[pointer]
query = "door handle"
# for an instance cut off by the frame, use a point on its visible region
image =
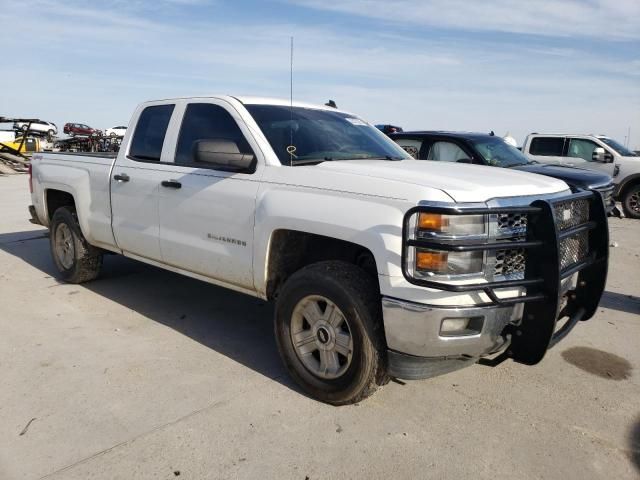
(121, 177)
(171, 184)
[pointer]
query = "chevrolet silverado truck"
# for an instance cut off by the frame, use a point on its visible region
(487, 149)
(594, 152)
(380, 266)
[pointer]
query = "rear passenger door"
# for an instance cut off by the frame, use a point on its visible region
(135, 182)
(548, 150)
(207, 213)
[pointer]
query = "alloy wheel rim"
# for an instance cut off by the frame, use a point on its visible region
(321, 337)
(65, 249)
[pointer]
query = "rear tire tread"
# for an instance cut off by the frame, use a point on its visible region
(88, 259)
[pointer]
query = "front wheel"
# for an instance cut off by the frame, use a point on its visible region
(76, 260)
(329, 332)
(631, 201)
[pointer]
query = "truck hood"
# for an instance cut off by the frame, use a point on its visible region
(575, 177)
(462, 182)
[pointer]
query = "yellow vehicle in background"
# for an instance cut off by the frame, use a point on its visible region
(29, 145)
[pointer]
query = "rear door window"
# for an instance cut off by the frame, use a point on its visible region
(547, 146)
(151, 129)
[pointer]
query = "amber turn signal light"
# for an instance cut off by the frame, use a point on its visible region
(432, 221)
(431, 261)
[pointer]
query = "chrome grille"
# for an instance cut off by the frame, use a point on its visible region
(573, 249)
(510, 263)
(571, 213)
(512, 223)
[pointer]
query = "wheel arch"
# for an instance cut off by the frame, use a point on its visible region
(290, 250)
(626, 183)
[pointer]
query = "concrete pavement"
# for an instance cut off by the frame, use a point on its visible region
(147, 374)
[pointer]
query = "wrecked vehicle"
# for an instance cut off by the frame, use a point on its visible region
(380, 266)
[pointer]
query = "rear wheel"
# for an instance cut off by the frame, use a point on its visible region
(631, 201)
(329, 332)
(76, 260)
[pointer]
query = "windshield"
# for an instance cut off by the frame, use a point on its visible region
(304, 135)
(621, 149)
(498, 153)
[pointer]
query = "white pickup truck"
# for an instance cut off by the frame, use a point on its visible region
(380, 266)
(594, 152)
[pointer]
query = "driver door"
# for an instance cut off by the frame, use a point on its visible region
(580, 154)
(207, 213)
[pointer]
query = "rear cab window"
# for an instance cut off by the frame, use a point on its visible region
(547, 146)
(150, 132)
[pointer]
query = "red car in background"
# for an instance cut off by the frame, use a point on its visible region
(79, 129)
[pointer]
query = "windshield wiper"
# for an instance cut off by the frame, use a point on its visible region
(311, 161)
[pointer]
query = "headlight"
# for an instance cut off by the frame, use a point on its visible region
(435, 224)
(438, 262)
(426, 261)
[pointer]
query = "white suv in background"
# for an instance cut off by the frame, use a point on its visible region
(115, 131)
(42, 128)
(595, 152)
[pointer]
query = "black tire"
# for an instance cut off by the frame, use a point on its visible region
(86, 259)
(357, 296)
(631, 201)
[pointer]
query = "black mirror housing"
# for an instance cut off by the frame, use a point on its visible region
(223, 154)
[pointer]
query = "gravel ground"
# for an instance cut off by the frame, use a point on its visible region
(147, 374)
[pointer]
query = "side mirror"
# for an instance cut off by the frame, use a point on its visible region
(601, 155)
(222, 153)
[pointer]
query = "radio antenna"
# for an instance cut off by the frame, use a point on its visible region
(291, 148)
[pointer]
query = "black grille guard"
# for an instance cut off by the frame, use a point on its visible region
(543, 275)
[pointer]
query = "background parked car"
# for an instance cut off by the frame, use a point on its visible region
(115, 131)
(491, 150)
(387, 129)
(29, 145)
(78, 129)
(43, 128)
(594, 152)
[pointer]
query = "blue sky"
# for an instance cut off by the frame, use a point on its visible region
(502, 65)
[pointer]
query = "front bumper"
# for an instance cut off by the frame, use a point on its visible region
(415, 329)
(417, 349)
(556, 286)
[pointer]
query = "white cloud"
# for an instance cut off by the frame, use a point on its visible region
(94, 64)
(599, 18)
